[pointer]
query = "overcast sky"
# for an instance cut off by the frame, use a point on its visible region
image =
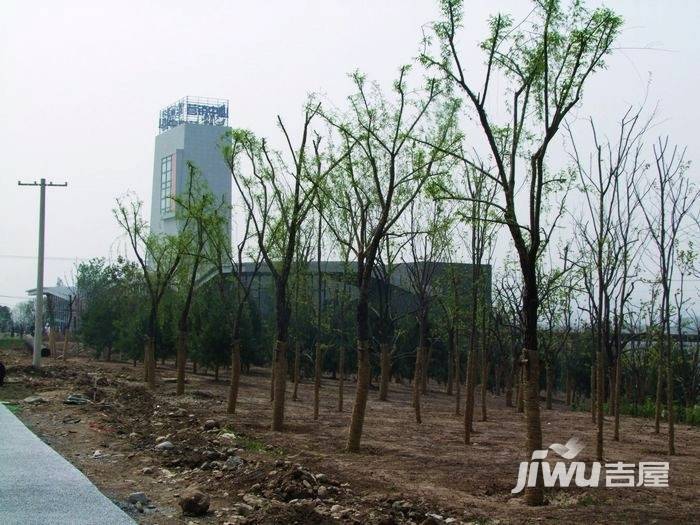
(81, 84)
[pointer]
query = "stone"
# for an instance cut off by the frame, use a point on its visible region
(165, 445)
(193, 501)
(322, 492)
(211, 424)
(232, 463)
(335, 509)
(138, 497)
(34, 400)
(244, 508)
(76, 399)
(147, 471)
(228, 436)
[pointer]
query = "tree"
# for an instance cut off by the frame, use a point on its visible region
(5, 319)
(278, 195)
(428, 240)
(158, 256)
(381, 176)
(195, 210)
(668, 199)
(607, 239)
(545, 62)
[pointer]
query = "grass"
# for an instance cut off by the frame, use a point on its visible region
(8, 343)
(12, 407)
(252, 444)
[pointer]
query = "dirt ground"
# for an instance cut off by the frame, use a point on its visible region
(406, 473)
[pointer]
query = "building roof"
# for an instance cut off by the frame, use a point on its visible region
(62, 292)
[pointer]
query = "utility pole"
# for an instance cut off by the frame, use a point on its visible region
(39, 308)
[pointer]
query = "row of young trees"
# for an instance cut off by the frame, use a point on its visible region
(428, 176)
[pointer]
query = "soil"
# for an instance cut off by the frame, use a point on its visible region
(406, 473)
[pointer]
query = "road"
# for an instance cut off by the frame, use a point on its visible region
(38, 486)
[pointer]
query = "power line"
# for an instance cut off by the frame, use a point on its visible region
(34, 257)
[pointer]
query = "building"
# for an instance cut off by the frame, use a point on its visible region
(62, 306)
(190, 130)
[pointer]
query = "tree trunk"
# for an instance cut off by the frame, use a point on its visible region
(418, 382)
(593, 392)
(280, 384)
(385, 364)
(450, 361)
(150, 362)
(520, 401)
(181, 358)
(65, 346)
(669, 403)
(600, 385)
(235, 376)
(531, 366)
(341, 376)
(616, 396)
(469, 398)
(549, 380)
(458, 382)
(358, 409)
(427, 350)
(484, 384)
(509, 387)
(659, 388)
(567, 382)
(297, 356)
(318, 369)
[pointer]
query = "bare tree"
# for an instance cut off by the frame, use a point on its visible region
(667, 201)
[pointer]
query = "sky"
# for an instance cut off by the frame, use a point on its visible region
(82, 82)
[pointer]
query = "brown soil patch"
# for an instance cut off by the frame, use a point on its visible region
(404, 472)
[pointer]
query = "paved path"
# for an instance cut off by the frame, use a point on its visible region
(38, 486)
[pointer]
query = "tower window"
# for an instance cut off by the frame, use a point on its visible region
(167, 184)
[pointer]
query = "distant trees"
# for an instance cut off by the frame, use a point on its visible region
(5, 319)
(112, 316)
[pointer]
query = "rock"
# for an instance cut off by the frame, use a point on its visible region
(228, 436)
(211, 424)
(244, 508)
(161, 438)
(147, 471)
(193, 501)
(165, 445)
(34, 400)
(139, 506)
(335, 509)
(137, 497)
(252, 500)
(232, 463)
(322, 492)
(76, 399)
(97, 454)
(431, 520)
